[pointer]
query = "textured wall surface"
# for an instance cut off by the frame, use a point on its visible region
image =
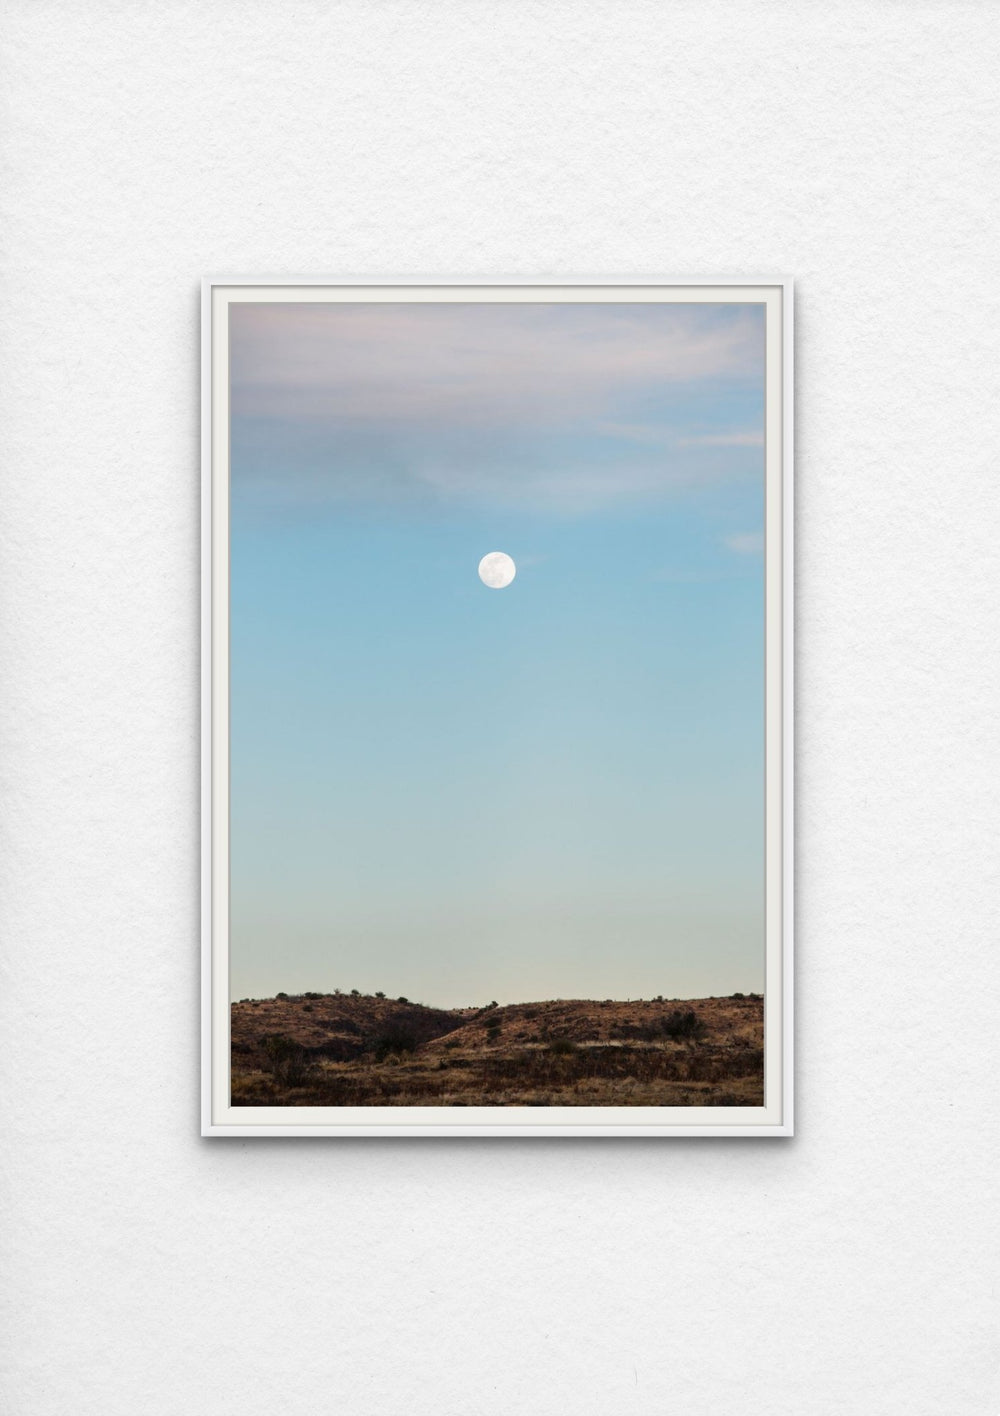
(852, 146)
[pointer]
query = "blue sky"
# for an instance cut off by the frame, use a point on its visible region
(457, 793)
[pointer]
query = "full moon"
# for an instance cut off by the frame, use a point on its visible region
(497, 570)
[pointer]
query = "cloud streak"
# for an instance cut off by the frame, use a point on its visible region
(751, 438)
(746, 543)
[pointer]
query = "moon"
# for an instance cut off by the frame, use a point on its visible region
(497, 570)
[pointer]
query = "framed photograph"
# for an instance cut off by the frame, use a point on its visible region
(497, 694)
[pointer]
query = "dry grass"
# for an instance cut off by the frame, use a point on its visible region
(361, 1051)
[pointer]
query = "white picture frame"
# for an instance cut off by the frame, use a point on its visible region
(775, 1118)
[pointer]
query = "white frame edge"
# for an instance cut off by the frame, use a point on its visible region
(747, 1129)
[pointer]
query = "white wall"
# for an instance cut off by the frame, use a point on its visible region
(852, 146)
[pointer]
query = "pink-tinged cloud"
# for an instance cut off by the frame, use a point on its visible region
(479, 364)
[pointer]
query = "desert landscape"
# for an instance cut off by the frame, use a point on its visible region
(355, 1049)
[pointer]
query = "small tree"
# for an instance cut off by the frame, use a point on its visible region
(395, 1040)
(683, 1026)
(287, 1059)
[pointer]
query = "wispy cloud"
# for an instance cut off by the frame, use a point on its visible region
(745, 543)
(555, 408)
(664, 435)
(751, 438)
(478, 363)
(574, 489)
(645, 434)
(506, 484)
(668, 576)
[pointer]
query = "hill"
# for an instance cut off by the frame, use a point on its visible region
(339, 1026)
(361, 1050)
